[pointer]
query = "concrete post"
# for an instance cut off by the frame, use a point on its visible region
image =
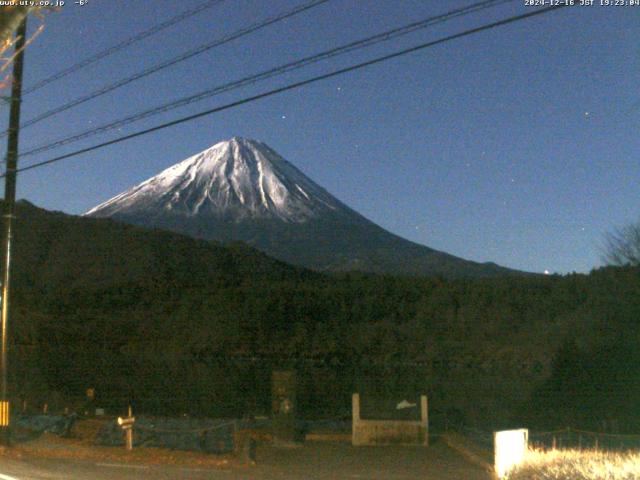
(129, 434)
(355, 407)
(355, 418)
(424, 417)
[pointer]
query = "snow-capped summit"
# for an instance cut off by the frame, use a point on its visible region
(234, 179)
(242, 190)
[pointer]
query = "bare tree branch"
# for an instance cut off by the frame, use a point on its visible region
(10, 18)
(622, 246)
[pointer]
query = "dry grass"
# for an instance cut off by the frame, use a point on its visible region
(577, 465)
(52, 446)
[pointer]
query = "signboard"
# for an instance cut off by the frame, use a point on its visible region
(126, 422)
(399, 408)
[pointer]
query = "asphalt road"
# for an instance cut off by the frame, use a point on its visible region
(63, 469)
(313, 461)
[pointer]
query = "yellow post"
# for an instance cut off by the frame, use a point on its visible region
(4, 413)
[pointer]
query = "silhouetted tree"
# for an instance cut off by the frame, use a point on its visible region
(622, 246)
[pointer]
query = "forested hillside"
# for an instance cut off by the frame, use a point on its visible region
(177, 325)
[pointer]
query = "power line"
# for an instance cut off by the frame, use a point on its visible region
(295, 85)
(119, 46)
(276, 71)
(173, 61)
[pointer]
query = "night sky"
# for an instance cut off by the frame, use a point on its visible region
(517, 145)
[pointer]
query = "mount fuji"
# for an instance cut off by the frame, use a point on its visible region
(242, 190)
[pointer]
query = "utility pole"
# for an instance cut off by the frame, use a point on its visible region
(9, 212)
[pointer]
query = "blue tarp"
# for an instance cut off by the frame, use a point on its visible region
(24, 425)
(204, 435)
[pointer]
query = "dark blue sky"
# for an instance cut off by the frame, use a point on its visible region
(517, 145)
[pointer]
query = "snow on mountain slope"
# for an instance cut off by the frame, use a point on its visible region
(242, 190)
(235, 179)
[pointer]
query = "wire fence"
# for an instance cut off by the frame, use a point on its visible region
(220, 435)
(177, 433)
(195, 434)
(481, 438)
(562, 439)
(571, 438)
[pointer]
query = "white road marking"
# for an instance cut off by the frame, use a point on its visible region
(120, 465)
(7, 477)
(189, 469)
